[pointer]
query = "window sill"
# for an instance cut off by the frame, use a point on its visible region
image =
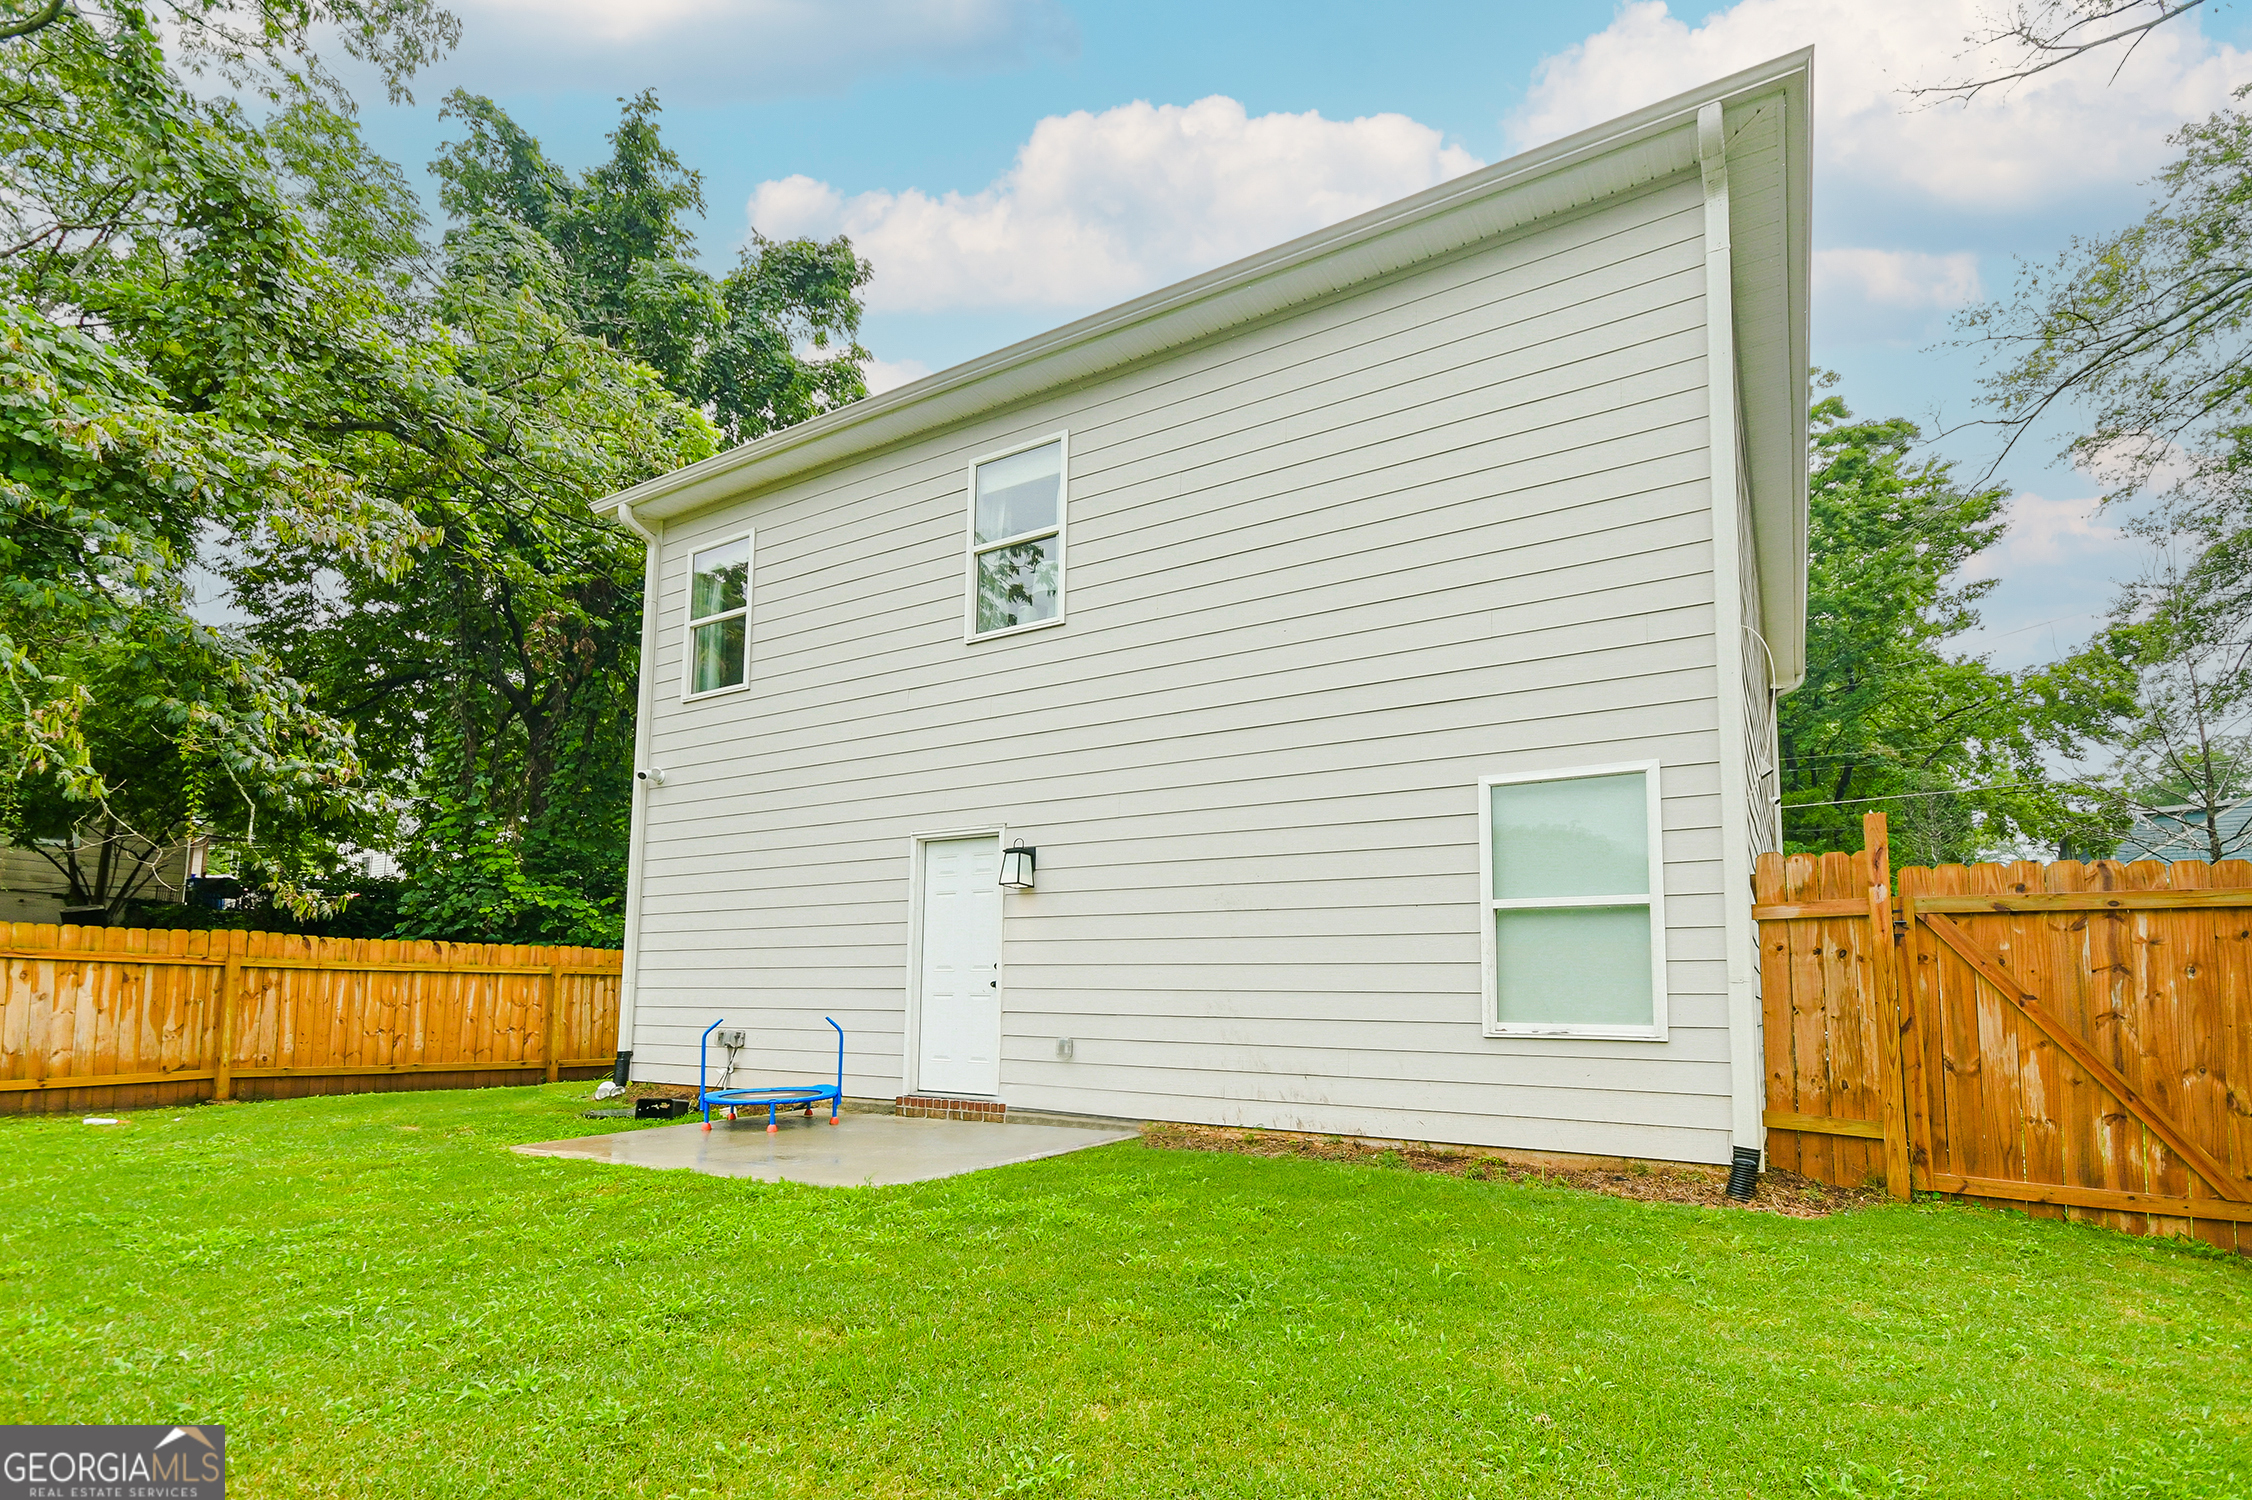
(996, 635)
(711, 693)
(1577, 1033)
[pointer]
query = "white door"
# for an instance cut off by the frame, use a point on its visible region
(961, 967)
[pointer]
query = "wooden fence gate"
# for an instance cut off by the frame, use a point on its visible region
(2071, 1039)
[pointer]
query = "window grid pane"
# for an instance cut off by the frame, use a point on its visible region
(1018, 495)
(1017, 584)
(722, 580)
(1573, 966)
(720, 654)
(1582, 836)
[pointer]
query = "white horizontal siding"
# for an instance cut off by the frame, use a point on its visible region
(1324, 573)
(33, 890)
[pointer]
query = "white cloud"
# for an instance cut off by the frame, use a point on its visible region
(748, 49)
(2059, 567)
(2045, 533)
(1907, 279)
(598, 23)
(2044, 139)
(1897, 296)
(886, 374)
(1099, 207)
(2170, 465)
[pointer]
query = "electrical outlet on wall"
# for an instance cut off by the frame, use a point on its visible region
(732, 1036)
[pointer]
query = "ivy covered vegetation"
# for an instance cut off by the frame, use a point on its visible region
(295, 551)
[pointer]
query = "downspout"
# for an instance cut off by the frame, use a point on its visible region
(1747, 1131)
(637, 838)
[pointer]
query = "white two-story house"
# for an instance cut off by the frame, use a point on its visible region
(1372, 646)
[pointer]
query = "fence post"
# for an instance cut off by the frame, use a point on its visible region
(230, 986)
(1884, 978)
(554, 1024)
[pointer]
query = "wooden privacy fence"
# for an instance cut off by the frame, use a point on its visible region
(94, 1018)
(2072, 1039)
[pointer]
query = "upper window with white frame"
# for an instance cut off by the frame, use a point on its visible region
(719, 617)
(1574, 904)
(1016, 539)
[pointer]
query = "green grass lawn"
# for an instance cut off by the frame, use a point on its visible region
(378, 1298)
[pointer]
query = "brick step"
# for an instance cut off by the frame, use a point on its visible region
(933, 1107)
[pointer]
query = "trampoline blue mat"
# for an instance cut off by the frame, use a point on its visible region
(787, 1094)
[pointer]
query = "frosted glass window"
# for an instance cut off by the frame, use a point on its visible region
(1585, 837)
(1575, 941)
(1583, 965)
(1016, 539)
(719, 617)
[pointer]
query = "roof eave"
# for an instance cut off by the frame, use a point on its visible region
(1202, 306)
(1783, 565)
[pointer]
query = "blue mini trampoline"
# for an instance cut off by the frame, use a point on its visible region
(778, 1097)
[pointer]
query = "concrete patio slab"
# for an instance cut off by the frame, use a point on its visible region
(860, 1151)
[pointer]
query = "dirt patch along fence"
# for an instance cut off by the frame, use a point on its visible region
(2070, 1039)
(121, 1018)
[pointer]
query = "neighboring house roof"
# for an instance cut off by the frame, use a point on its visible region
(2178, 832)
(1765, 112)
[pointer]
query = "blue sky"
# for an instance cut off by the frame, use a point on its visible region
(1012, 164)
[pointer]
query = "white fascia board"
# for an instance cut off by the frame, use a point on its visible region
(1646, 146)
(1772, 226)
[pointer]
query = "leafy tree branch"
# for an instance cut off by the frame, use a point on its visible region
(2034, 36)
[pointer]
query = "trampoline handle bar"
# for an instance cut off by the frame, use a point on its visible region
(703, 1045)
(839, 1030)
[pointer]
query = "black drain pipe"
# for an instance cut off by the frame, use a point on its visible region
(622, 1073)
(1743, 1174)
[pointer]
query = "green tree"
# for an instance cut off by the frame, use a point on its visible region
(226, 344)
(230, 345)
(771, 344)
(1954, 750)
(2184, 766)
(493, 683)
(133, 728)
(197, 738)
(2141, 341)
(144, 224)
